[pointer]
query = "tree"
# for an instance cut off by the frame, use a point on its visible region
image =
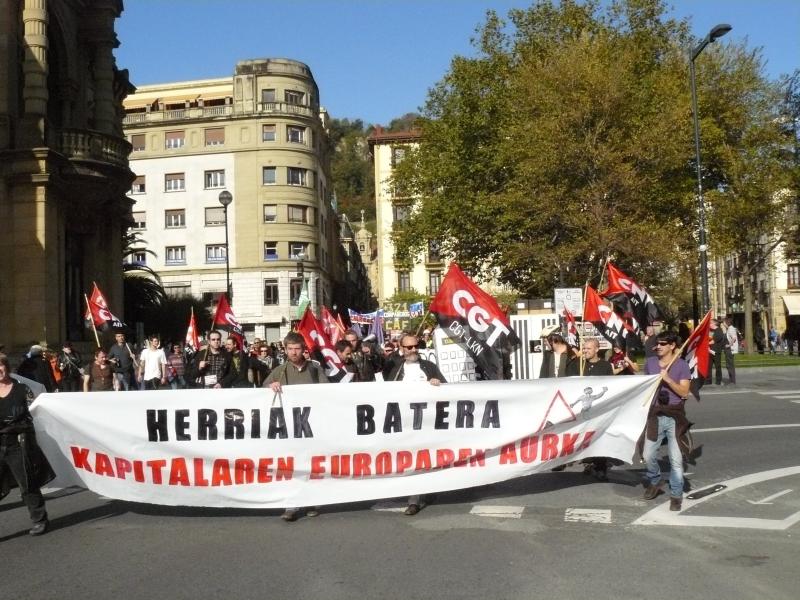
(563, 143)
(351, 168)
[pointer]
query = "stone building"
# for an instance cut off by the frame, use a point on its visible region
(262, 136)
(63, 166)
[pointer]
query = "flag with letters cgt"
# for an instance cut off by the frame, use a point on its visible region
(475, 321)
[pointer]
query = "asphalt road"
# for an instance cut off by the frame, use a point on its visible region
(554, 535)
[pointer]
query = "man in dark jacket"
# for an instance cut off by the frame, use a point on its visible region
(36, 367)
(240, 374)
(411, 369)
(211, 365)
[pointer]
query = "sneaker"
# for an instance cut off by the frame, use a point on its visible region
(411, 510)
(675, 503)
(40, 528)
(289, 515)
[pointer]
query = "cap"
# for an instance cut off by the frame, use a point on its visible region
(550, 329)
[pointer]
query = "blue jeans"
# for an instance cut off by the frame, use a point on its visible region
(666, 428)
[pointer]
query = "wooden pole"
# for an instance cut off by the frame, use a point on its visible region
(91, 316)
(583, 320)
(421, 323)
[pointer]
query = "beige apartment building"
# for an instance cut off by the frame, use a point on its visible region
(63, 166)
(262, 136)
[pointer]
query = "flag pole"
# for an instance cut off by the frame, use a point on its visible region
(91, 316)
(686, 341)
(583, 324)
(421, 323)
(603, 273)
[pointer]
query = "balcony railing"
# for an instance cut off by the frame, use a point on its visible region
(179, 114)
(285, 108)
(83, 144)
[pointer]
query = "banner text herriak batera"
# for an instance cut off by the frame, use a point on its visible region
(202, 472)
(234, 424)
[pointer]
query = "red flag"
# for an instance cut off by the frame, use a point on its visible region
(316, 341)
(225, 320)
(331, 326)
(636, 303)
(572, 327)
(192, 340)
(97, 311)
(608, 323)
(474, 320)
(696, 350)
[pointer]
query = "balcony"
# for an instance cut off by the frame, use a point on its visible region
(83, 144)
(181, 114)
(284, 108)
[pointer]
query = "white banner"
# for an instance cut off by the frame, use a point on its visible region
(235, 448)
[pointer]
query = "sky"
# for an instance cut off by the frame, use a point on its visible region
(375, 60)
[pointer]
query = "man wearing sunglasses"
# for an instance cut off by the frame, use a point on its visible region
(667, 418)
(412, 369)
(211, 364)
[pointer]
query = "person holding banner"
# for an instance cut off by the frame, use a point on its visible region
(414, 369)
(667, 418)
(295, 371)
(21, 461)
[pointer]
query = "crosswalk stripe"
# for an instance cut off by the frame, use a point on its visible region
(587, 515)
(504, 512)
(389, 506)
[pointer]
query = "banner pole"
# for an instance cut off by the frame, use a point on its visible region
(583, 321)
(421, 323)
(603, 273)
(91, 316)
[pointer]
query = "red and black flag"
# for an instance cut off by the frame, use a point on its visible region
(632, 300)
(97, 312)
(572, 327)
(696, 353)
(607, 322)
(475, 321)
(317, 343)
(192, 341)
(225, 320)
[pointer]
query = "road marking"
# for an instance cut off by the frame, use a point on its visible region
(741, 427)
(777, 392)
(504, 512)
(661, 515)
(786, 396)
(587, 515)
(389, 506)
(768, 498)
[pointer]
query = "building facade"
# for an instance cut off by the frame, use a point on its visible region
(262, 136)
(63, 166)
(424, 274)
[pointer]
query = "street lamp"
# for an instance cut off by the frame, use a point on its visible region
(225, 198)
(715, 33)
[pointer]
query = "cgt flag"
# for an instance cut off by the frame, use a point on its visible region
(633, 299)
(331, 326)
(97, 312)
(572, 327)
(608, 323)
(225, 320)
(473, 319)
(192, 341)
(316, 341)
(696, 351)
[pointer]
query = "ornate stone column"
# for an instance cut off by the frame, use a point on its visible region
(34, 93)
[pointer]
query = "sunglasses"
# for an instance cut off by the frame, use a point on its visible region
(663, 343)
(414, 347)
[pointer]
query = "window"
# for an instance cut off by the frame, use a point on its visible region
(298, 214)
(139, 220)
(174, 182)
(139, 257)
(268, 176)
(215, 253)
(137, 141)
(295, 134)
(175, 139)
(434, 281)
(398, 154)
(793, 276)
(215, 215)
(270, 250)
(400, 213)
(295, 289)
(215, 136)
(175, 218)
(214, 179)
(434, 252)
(138, 187)
(298, 249)
(178, 291)
(295, 176)
(268, 133)
(293, 97)
(175, 255)
(268, 96)
(271, 292)
(270, 213)
(403, 281)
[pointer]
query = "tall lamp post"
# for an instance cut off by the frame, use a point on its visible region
(225, 198)
(714, 34)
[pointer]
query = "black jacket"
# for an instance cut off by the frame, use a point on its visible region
(38, 369)
(194, 374)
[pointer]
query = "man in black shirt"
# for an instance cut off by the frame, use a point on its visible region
(121, 356)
